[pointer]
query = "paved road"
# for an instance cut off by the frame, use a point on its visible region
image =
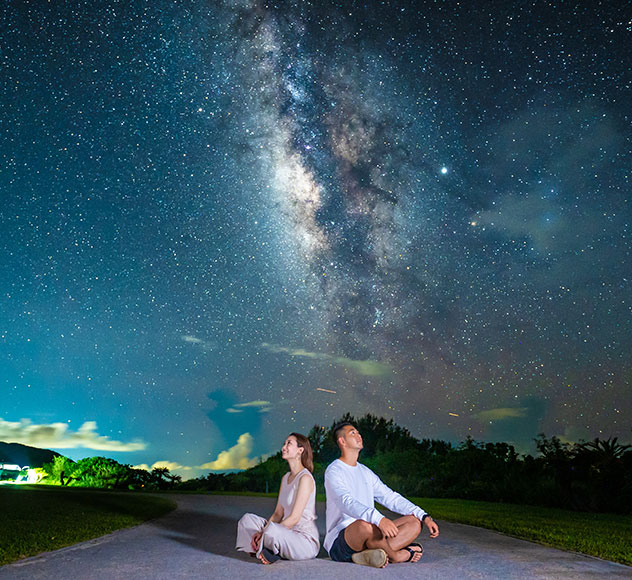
(197, 541)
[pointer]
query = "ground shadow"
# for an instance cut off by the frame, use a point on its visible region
(207, 532)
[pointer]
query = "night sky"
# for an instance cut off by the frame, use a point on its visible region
(225, 221)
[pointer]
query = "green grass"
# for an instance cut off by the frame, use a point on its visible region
(607, 536)
(41, 518)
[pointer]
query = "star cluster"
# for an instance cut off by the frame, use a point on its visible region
(249, 217)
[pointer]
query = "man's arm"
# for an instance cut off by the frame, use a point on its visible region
(336, 488)
(399, 504)
(394, 501)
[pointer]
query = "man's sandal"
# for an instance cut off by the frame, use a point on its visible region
(375, 558)
(413, 552)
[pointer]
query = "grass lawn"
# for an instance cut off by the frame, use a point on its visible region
(40, 518)
(607, 536)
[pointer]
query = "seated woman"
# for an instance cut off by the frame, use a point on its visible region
(290, 532)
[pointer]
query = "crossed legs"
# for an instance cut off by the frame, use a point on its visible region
(361, 535)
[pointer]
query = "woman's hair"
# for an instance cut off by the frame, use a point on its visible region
(307, 457)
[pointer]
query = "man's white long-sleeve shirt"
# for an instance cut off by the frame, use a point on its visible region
(351, 493)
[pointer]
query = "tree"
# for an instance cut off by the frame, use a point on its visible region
(60, 469)
(159, 476)
(101, 472)
(602, 464)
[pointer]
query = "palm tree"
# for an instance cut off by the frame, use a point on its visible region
(160, 476)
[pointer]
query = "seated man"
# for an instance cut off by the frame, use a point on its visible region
(356, 531)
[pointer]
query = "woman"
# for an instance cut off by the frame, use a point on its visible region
(290, 532)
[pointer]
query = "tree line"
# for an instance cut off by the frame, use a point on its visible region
(584, 476)
(107, 473)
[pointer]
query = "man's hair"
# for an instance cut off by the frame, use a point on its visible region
(337, 430)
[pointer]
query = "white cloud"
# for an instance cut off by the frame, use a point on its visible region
(172, 466)
(195, 340)
(142, 466)
(237, 457)
(368, 368)
(502, 413)
(234, 458)
(59, 436)
(263, 406)
(254, 404)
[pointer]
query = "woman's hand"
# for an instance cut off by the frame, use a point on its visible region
(256, 540)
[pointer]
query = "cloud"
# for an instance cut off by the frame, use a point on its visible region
(59, 436)
(369, 368)
(172, 466)
(236, 457)
(261, 406)
(253, 404)
(195, 340)
(502, 413)
(142, 466)
(516, 425)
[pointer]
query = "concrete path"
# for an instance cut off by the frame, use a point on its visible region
(197, 541)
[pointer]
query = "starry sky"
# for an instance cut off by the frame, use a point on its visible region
(223, 221)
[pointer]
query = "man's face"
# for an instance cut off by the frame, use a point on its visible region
(352, 437)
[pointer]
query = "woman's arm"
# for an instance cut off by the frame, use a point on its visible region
(305, 488)
(277, 516)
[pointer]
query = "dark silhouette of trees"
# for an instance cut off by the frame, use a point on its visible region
(591, 476)
(585, 476)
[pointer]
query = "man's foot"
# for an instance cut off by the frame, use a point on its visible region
(375, 558)
(268, 557)
(415, 550)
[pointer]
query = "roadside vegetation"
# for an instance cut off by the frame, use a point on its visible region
(607, 536)
(38, 519)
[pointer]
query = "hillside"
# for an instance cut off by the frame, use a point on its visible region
(25, 455)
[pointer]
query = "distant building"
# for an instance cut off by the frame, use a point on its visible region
(12, 472)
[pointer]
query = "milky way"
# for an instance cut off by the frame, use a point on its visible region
(245, 218)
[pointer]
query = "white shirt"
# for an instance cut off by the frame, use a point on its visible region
(351, 493)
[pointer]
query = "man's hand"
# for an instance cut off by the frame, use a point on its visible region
(432, 526)
(256, 540)
(389, 529)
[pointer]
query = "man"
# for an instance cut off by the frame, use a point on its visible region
(356, 531)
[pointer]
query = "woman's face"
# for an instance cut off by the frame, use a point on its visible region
(290, 449)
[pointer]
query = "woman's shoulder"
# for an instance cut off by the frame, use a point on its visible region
(305, 474)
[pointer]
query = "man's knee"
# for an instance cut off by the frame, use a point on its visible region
(417, 525)
(413, 522)
(358, 533)
(363, 528)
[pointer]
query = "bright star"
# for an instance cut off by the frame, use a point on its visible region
(444, 170)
